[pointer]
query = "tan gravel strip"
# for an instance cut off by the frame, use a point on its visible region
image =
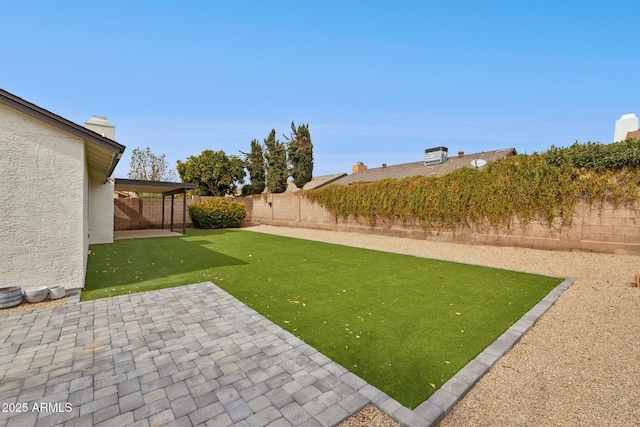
(579, 365)
(370, 416)
(25, 306)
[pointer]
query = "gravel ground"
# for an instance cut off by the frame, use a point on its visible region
(578, 366)
(25, 306)
(370, 416)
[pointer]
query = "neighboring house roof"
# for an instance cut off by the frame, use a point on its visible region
(316, 182)
(321, 181)
(633, 135)
(418, 168)
(102, 153)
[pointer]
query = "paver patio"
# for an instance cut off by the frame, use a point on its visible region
(193, 355)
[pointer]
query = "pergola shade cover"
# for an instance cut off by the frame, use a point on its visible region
(159, 187)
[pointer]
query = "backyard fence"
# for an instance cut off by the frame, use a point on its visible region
(599, 228)
(143, 214)
(605, 229)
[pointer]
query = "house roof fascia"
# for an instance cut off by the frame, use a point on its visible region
(61, 123)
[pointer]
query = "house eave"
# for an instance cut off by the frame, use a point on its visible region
(104, 152)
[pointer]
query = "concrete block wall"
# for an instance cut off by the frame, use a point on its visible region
(287, 208)
(605, 229)
(142, 214)
(261, 206)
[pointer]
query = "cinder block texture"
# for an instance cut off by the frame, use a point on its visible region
(612, 229)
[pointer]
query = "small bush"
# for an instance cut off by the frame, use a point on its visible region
(217, 213)
(596, 156)
(247, 190)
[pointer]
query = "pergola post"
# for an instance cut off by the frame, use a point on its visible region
(163, 211)
(173, 193)
(172, 197)
(184, 213)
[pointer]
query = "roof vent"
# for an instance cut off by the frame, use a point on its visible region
(436, 155)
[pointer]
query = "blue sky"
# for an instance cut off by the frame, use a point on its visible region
(377, 81)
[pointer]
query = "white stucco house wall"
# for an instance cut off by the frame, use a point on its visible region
(56, 193)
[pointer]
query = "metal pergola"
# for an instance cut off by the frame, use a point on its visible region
(166, 189)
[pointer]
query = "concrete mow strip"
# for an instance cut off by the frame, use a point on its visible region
(193, 355)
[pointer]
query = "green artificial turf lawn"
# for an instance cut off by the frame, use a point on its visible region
(404, 324)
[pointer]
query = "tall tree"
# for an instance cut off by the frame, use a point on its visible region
(300, 154)
(214, 173)
(147, 166)
(276, 156)
(254, 162)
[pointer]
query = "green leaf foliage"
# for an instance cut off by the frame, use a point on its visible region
(300, 154)
(540, 187)
(215, 173)
(217, 213)
(247, 190)
(596, 156)
(147, 166)
(255, 164)
(276, 156)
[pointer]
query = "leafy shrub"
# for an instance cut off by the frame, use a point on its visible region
(217, 213)
(597, 156)
(247, 190)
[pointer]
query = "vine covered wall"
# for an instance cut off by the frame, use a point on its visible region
(604, 229)
(584, 197)
(519, 188)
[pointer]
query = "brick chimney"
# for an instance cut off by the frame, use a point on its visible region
(358, 167)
